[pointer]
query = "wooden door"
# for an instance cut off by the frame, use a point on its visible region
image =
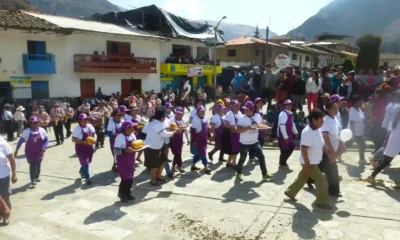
(125, 87)
(124, 49)
(136, 84)
(87, 88)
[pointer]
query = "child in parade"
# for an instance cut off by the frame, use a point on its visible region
(286, 133)
(84, 146)
(176, 141)
(125, 158)
(198, 133)
(37, 143)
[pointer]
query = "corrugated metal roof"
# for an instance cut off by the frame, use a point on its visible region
(79, 24)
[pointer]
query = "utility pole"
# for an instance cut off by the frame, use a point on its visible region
(266, 44)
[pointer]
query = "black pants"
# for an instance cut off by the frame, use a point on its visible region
(257, 152)
(268, 95)
(285, 155)
(386, 161)
(100, 136)
(361, 146)
(377, 135)
(125, 187)
(185, 105)
(68, 127)
(34, 170)
(332, 174)
(8, 127)
(59, 132)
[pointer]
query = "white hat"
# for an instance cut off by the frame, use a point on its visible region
(20, 108)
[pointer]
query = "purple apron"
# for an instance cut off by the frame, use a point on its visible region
(235, 139)
(261, 132)
(176, 143)
(218, 138)
(289, 130)
(201, 140)
(34, 148)
(126, 163)
(112, 140)
(84, 152)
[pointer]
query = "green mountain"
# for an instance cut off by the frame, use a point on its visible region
(17, 4)
(355, 18)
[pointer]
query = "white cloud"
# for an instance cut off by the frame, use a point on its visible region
(191, 9)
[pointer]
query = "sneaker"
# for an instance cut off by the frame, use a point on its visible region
(33, 183)
(267, 177)
(182, 170)
(88, 182)
(37, 180)
(239, 177)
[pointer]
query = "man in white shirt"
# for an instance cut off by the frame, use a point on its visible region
(8, 120)
(19, 117)
(247, 127)
(357, 125)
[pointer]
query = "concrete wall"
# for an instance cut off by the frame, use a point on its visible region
(303, 62)
(66, 83)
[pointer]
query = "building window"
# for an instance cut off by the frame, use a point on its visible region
(118, 48)
(258, 52)
(294, 56)
(308, 59)
(231, 52)
(36, 47)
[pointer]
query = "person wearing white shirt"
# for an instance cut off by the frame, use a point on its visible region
(389, 110)
(312, 145)
(357, 126)
(84, 149)
(217, 128)
(113, 130)
(7, 165)
(287, 132)
(331, 134)
(125, 158)
(392, 148)
(19, 118)
(313, 85)
(198, 136)
(247, 127)
(193, 113)
(231, 144)
(155, 154)
(8, 120)
(136, 118)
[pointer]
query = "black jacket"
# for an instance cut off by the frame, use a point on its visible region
(299, 87)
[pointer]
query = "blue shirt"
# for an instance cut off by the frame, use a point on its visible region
(336, 82)
(236, 80)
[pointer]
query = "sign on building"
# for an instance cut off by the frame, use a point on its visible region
(195, 71)
(282, 61)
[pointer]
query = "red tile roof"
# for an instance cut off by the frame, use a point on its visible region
(18, 19)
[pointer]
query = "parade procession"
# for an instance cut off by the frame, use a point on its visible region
(141, 124)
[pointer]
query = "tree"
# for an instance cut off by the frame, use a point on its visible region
(368, 56)
(348, 65)
(257, 33)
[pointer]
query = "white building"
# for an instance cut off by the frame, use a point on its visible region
(50, 56)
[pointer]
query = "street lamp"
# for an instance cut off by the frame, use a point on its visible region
(215, 50)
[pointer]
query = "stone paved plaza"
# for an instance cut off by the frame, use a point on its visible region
(197, 206)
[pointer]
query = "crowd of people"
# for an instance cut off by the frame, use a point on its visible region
(156, 127)
(183, 59)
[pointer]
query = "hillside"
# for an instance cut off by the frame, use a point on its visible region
(354, 18)
(17, 4)
(236, 30)
(74, 8)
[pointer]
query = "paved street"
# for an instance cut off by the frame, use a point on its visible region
(197, 206)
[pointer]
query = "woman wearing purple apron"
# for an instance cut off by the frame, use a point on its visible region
(36, 144)
(125, 158)
(176, 142)
(84, 150)
(231, 144)
(286, 132)
(113, 129)
(217, 128)
(199, 137)
(259, 103)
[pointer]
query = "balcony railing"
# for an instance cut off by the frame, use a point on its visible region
(39, 63)
(114, 64)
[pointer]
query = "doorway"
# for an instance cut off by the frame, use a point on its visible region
(87, 88)
(129, 85)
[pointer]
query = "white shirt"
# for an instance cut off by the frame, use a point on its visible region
(170, 115)
(187, 85)
(138, 118)
(197, 123)
(230, 117)
(156, 133)
(333, 128)
(357, 118)
(120, 140)
(19, 116)
(312, 139)
(5, 151)
(127, 117)
(388, 115)
(77, 133)
(393, 147)
(112, 125)
(283, 118)
(312, 87)
(7, 115)
(27, 132)
(338, 118)
(193, 113)
(216, 119)
(249, 137)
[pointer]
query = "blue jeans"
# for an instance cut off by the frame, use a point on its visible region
(203, 159)
(256, 151)
(167, 168)
(85, 171)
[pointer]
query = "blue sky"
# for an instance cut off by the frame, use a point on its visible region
(285, 14)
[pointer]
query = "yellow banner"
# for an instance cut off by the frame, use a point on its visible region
(182, 69)
(20, 80)
(166, 76)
